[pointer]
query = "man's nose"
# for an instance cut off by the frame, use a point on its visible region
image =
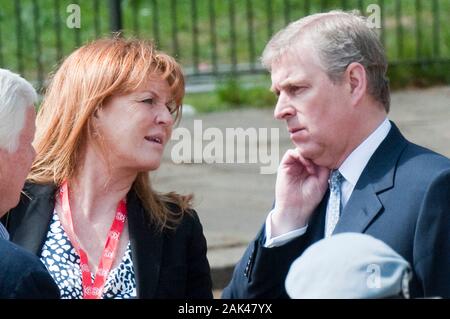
(283, 109)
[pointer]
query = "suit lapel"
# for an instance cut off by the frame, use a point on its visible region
(146, 249)
(316, 227)
(361, 209)
(34, 225)
(378, 176)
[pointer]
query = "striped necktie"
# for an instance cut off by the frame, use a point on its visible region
(334, 202)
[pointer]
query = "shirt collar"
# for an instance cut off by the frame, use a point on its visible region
(3, 232)
(355, 163)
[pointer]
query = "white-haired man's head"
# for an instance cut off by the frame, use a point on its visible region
(16, 96)
(17, 128)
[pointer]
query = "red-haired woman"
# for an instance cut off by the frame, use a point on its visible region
(91, 214)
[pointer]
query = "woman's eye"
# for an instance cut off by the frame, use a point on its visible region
(172, 107)
(148, 101)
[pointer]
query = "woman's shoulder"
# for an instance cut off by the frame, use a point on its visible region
(188, 217)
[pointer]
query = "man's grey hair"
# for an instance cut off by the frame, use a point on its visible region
(339, 39)
(16, 96)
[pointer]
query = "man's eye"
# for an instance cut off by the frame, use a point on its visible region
(148, 101)
(296, 89)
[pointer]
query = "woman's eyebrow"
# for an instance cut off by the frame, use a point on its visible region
(147, 92)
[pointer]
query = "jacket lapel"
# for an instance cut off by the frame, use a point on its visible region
(316, 226)
(361, 209)
(146, 248)
(34, 225)
(378, 176)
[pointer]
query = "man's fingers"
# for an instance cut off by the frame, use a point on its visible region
(293, 157)
(311, 168)
(308, 164)
(290, 157)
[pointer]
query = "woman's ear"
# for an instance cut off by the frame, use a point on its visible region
(357, 79)
(95, 122)
(96, 112)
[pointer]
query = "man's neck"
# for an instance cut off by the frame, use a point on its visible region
(366, 126)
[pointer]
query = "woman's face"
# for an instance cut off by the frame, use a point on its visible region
(134, 128)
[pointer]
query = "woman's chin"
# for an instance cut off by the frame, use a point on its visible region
(149, 167)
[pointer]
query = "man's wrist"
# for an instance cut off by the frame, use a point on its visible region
(284, 221)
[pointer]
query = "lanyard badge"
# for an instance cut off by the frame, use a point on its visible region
(94, 290)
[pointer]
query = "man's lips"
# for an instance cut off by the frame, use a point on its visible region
(297, 134)
(295, 130)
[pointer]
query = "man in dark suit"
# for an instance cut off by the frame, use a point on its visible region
(22, 275)
(351, 169)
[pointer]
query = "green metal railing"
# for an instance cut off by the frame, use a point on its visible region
(209, 37)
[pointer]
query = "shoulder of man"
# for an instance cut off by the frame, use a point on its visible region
(15, 259)
(424, 164)
(22, 275)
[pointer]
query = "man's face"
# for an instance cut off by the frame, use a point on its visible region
(318, 112)
(15, 166)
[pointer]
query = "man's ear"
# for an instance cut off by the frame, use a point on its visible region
(357, 79)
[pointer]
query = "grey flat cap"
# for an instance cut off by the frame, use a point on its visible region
(348, 265)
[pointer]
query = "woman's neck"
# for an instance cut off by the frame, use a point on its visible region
(97, 189)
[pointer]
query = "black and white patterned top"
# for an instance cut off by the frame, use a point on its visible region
(63, 264)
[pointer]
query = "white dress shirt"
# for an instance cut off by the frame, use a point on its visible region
(3, 232)
(350, 169)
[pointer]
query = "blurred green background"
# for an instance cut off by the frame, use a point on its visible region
(219, 41)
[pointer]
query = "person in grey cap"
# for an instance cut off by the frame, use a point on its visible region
(351, 169)
(349, 265)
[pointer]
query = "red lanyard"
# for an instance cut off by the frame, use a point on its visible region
(94, 290)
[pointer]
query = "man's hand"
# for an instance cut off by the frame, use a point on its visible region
(299, 189)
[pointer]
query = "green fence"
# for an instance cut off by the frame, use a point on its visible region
(209, 37)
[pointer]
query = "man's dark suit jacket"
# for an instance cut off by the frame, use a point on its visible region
(168, 264)
(401, 198)
(22, 275)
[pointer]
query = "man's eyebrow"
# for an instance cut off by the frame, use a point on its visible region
(290, 81)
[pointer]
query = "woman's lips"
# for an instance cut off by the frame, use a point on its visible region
(155, 141)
